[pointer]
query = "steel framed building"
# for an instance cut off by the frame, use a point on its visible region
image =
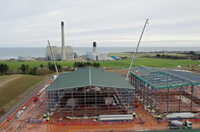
(89, 92)
(165, 91)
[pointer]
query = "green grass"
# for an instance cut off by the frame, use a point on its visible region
(14, 65)
(130, 55)
(150, 62)
(17, 87)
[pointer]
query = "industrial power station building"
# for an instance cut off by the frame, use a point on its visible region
(89, 92)
(57, 51)
(95, 55)
(60, 53)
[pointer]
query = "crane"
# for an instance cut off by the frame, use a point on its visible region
(136, 50)
(53, 58)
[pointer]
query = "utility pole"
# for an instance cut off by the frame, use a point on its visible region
(136, 50)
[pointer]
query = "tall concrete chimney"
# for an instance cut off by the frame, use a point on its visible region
(63, 55)
(94, 47)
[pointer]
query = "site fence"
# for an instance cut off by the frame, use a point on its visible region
(6, 116)
(96, 123)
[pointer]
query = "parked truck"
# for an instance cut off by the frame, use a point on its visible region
(175, 124)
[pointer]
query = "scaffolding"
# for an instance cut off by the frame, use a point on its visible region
(88, 93)
(165, 91)
(89, 102)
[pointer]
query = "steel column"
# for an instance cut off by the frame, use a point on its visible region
(156, 101)
(85, 99)
(192, 92)
(180, 99)
(144, 93)
(95, 103)
(147, 95)
(72, 103)
(151, 97)
(108, 100)
(168, 101)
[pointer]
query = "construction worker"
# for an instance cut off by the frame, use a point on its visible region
(44, 116)
(158, 117)
(120, 106)
(47, 119)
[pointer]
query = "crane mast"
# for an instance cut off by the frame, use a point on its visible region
(53, 58)
(127, 78)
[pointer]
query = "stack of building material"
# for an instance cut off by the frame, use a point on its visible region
(108, 100)
(72, 102)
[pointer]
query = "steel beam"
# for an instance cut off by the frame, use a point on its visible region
(167, 100)
(192, 92)
(180, 99)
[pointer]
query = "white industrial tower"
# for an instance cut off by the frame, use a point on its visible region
(63, 54)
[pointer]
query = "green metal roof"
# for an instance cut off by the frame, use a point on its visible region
(89, 76)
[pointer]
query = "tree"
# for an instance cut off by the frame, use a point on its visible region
(6, 68)
(59, 67)
(94, 64)
(191, 52)
(34, 70)
(27, 69)
(75, 65)
(49, 65)
(23, 68)
(163, 55)
(88, 63)
(2, 68)
(98, 65)
(157, 55)
(41, 66)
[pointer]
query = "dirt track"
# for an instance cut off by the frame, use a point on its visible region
(6, 79)
(120, 71)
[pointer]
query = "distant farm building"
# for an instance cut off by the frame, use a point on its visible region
(24, 58)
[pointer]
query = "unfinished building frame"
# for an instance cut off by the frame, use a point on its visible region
(89, 92)
(165, 91)
(85, 101)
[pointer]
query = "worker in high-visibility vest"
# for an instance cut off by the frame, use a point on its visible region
(47, 119)
(158, 117)
(44, 116)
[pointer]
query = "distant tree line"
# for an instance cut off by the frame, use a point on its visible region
(4, 68)
(51, 66)
(85, 64)
(40, 69)
(191, 56)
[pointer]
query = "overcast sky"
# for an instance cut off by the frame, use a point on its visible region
(111, 23)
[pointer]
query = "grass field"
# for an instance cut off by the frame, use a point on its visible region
(150, 62)
(17, 89)
(130, 55)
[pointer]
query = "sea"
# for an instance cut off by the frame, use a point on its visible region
(14, 52)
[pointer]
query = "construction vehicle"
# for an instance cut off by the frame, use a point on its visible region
(175, 124)
(136, 104)
(35, 99)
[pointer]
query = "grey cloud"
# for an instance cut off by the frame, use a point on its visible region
(111, 22)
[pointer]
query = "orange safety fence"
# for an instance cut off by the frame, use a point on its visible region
(194, 120)
(49, 82)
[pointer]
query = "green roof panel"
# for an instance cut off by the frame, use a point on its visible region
(89, 77)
